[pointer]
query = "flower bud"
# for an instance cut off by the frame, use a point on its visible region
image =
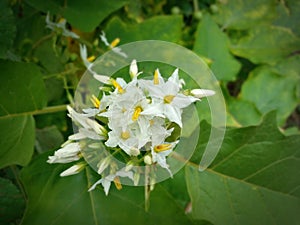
(200, 93)
(103, 164)
(73, 170)
(148, 159)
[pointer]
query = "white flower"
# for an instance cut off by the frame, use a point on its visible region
(148, 159)
(84, 133)
(106, 181)
(73, 170)
(102, 78)
(85, 122)
(125, 139)
(112, 46)
(84, 56)
(68, 153)
(157, 130)
(166, 98)
(160, 152)
(133, 70)
(201, 93)
(60, 26)
(103, 164)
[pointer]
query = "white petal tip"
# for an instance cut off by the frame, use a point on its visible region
(200, 93)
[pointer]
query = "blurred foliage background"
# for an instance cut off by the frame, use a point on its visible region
(253, 48)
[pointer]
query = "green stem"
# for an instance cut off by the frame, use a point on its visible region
(15, 171)
(40, 41)
(196, 6)
(50, 109)
(90, 45)
(66, 72)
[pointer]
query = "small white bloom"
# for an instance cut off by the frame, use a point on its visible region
(136, 178)
(106, 181)
(125, 139)
(103, 164)
(133, 70)
(61, 26)
(201, 93)
(73, 170)
(147, 159)
(113, 48)
(84, 56)
(66, 154)
(102, 78)
(167, 100)
(160, 152)
(85, 133)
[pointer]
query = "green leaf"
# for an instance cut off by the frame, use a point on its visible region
(49, 59)
(237, 14)
(274, 88)
(289, 15)
(7, 28)
(48, 138)
(212, 43)
(225, 200)
(22, 88)
(266, 44)
(244, 112)
(166, 28)
(253, 180)
(17, 140)
(22, 92)
(84, 15)
(12, 202)
(57, 200)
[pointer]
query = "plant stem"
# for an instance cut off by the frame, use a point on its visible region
(15, 171)
(66, 72)
(50, 109)
(196, 6)
(40, 41)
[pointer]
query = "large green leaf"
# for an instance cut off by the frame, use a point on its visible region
(22, 92)
(84, 15)
(213, 43)
(274, 88)
(289, 15)
(238, 14)
(253, 180)
(48, 138)
(57, 200)
(225, 200)
(7, 28)
(266, 44)
(166, 28)
(12, 202)
(244, 112)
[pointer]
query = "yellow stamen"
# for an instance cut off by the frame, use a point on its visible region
(117, 183)
(151, 122)
(91, 58)
(162, 147)
(61, 20)
(136, 113)
(95, 101)
(155, 79)
(115, 42)
(168, 98)
(125, 135)
(118, 86)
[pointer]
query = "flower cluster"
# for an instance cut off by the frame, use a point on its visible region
(140, 117)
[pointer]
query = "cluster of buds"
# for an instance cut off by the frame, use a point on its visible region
(135, 120)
